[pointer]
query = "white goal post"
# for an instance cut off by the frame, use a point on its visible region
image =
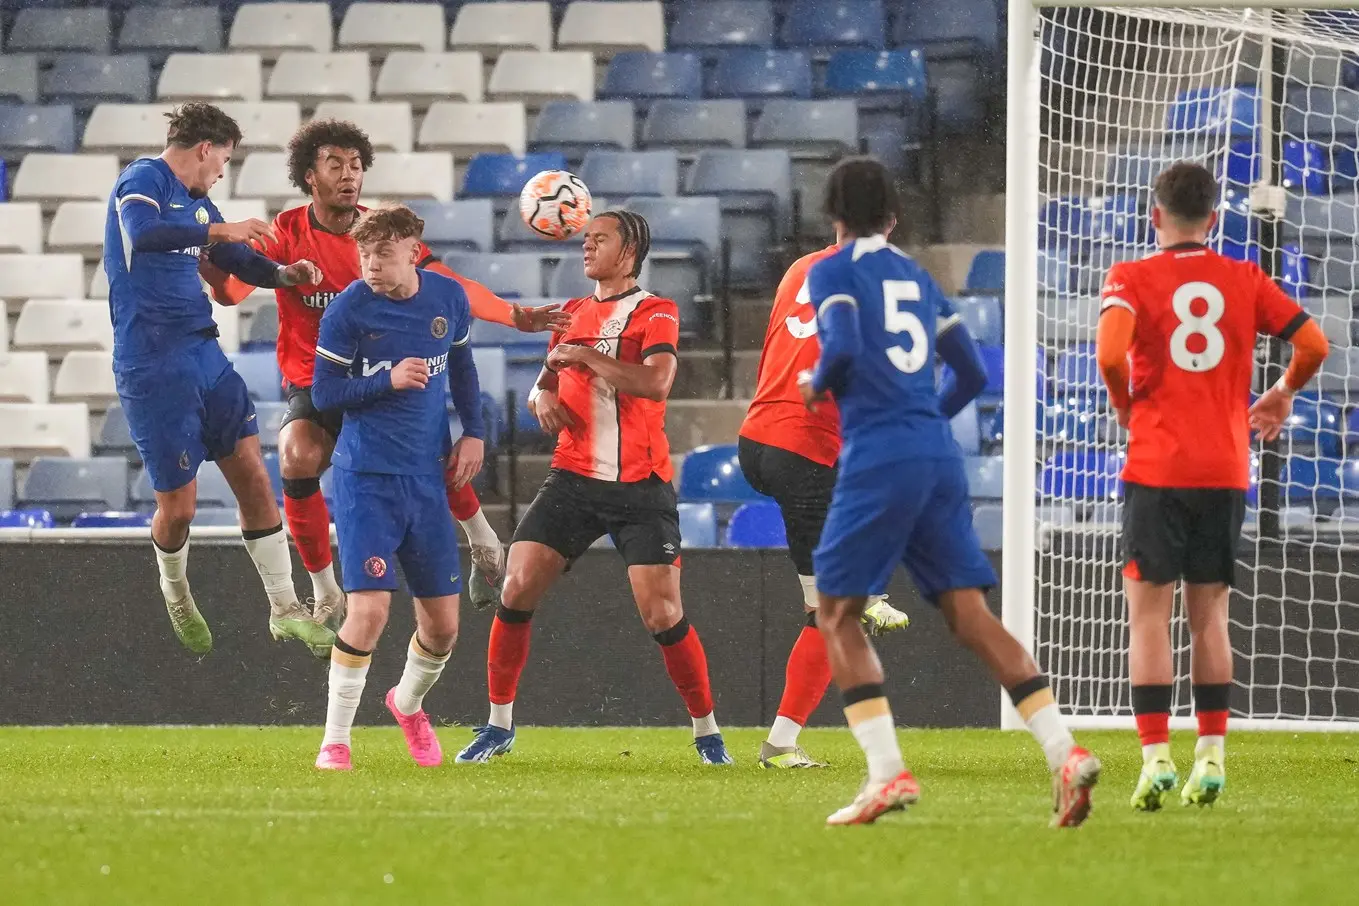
(1101, 97)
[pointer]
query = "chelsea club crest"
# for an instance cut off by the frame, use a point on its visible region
(201, 215)
(439, 327)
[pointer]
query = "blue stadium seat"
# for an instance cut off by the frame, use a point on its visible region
(1312, 480)
(643, 76)
(966, 430)
(1322, 114)
(759, 74)
(721, 24)
(755, 190)
(262, 334)
(826, 24)
(33, 127)
(1063, 223)
(85, 80)
(879, 78)
(158, 32)
(693, 125)
(458, 226)
(575, 127)
(1314, 427)
(698, 525)
(986, 273)
(950, 28)
(213, 490)
(1242, 165)
(114, 438)
(982, 315)
(1055, 272)
(1215, 111)
(826, 129)
(509, 275)
(66, 487)
(1117, 219)
(630, 173)
(757, 524)
(260, 372)
(1078, 371)
(270, 417)
(892, 139)
(6, 484)
(504, 175)
(713, 473)
(513, 235)
(1078, 420)
(993, 359)
(515, 342)
(112, 519)
(1081, 475)
(985, 477)
(60, 30)
(989, 522)
(28, 519)
(520, 378)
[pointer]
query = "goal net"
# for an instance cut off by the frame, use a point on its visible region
(1261, 97)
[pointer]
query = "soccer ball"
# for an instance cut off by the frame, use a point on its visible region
(555, 204)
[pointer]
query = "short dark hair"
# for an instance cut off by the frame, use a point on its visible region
(636, 234)
(394, 222)
(861, 195)
(197, 122)
(1186, 191)
(307, 141)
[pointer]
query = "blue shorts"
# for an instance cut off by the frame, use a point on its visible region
(383, 520)
(882, 515)
(188, 406)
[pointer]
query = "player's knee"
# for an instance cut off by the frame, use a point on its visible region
(660, 614)
(177, 509)
(298, 459)
(833, 614)
(516, 593)
(366, 615)
(438, 636)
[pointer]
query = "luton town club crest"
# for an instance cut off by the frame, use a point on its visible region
(439, 327)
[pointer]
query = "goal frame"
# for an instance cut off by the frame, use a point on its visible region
(1020, 535)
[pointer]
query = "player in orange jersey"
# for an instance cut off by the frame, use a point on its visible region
(327, 160)
(789, 452)
(1176, 347)
(602, 392)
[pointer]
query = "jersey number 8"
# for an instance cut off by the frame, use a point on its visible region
(1214, 346)
(897, 320)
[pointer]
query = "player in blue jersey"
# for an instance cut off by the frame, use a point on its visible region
(901, 495)
(184, 402)
(384, 345)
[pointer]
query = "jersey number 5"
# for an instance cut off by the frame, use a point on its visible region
(899, 320)
(1212, 347)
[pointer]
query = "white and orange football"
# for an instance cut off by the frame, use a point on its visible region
(555, 204)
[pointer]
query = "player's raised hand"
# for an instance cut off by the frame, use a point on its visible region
(543, 317)
(302, 273)
(410, 374)
(552, 416)
(1270, 411)
(252, 230)
(465, 463)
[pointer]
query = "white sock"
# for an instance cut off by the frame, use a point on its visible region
(479, 531)
(502, 716)
(1048, 727)
(1207, 742)
(275, 565)
(346, 688)
(174, 575)
(323, 584)
(783, 735)
(877, 736)
(421, 673)
(706, 725)
(1156, 750)
(809, 591)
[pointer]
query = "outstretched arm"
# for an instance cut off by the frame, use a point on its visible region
(487, 306)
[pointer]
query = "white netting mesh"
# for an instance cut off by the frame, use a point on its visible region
(1124, 93)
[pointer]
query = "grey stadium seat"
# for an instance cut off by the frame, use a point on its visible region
(19, 79)
(381, 28)
(424, 78)
(67, 487)
(575, 127)
(823, 129)
(694, 125)
(631, 173)
(60, 30)
(159, 31)
(519, 275)
(273, 28)
(458, 226)
(88, 79)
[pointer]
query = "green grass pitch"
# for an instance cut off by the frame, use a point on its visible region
(238, 816)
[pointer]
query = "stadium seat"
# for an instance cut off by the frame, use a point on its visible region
(99, 282)
(1055, 273)
(1322, 114)
(630, 173)
(266, 125)
(1134, 169)
(26, 519)
(825, 24)
(210, 77)
(468, 129)
(1312, 480)
(235, 209)
(514, 342)
(264, 174)
(823, 129)
(158, 31)
(216, 517)
(985, 477)
(314, 77)
(1215, 111)
(213, 490)
(504, 175)
(1335, 314)
(127, 130)
(757, 524)
(6, 484)
(28, 430)
(575, 127)
(78, 226)
(645, 76)
(58, 326)
(879, 79)
(492, 28)
(424, 78)
(966, 430)
(388, 123)
(28, 128)
(1339, 373)
(381, 28)
(713, 473)
(260, 372)
(458, 226)
(755, 191)
(513, 235)
(1314, 427)
(759, 74)
(695, 125)
(53, 178)
(262, 334)
(988, 520)
(512, 275)
(538, 77)
(270, 416)
(19, 79)
(722, 24)
(689, 227)
(23, 378)
(1078, 371)
(41, 277)
(21, 227)
(270, 29)
(51, 30)
(86, 375)
(605, 28)
(1082, 475)
(950, 28)
(986, 274)
(65, 487)
(698, 525)
(84, 80)
(568, 280)
(982, 315)
(112, 520)
(1306, 167)
(491, 372)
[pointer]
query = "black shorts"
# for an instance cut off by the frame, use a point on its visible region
(300, 406)
(801, 487)
(571, 512)
(1187, 534)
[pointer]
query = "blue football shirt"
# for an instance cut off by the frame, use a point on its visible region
(401, 432)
